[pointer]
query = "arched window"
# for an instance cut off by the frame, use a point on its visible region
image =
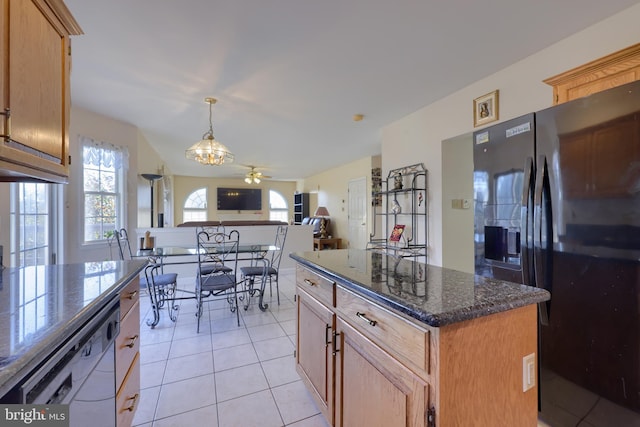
(278, 208)
(195, 207)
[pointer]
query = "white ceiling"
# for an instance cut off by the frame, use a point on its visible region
(290, 74)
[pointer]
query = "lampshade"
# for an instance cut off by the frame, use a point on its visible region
(321, 211)
(208, 151)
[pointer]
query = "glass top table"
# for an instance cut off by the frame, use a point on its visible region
(174, 255)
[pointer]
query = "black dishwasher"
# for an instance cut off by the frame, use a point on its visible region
(81, 373)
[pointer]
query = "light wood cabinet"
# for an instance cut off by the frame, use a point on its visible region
(377, 366)
(605, 73)
(372, 387)
(129, 396)
(128, 355)
(35, 59)
(314, 356)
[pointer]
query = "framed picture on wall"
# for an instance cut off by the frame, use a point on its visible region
(485, 109)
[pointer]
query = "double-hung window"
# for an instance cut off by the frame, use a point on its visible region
(103, 170)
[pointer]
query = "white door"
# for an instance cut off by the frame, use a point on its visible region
(358, 213)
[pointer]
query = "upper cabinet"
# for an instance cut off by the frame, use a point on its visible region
(35, 61)
(605, 73)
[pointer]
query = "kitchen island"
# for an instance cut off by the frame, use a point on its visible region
(43, 307)
(388, 341)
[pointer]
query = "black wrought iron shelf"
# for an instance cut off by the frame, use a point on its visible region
(401, 199)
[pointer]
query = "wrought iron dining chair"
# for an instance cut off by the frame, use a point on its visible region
(210, 267)
(160, 286)
(217, 267)
(269, 271)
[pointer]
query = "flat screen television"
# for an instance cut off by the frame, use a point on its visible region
(239, 199)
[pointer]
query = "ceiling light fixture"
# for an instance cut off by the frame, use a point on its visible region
(208, 151)
(253, 177)
(252, 180)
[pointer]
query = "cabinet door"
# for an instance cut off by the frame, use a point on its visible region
(314, 359)
(38, 88)
(373, 388)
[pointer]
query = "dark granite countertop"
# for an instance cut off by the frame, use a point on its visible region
(42, 306)
(433, 295)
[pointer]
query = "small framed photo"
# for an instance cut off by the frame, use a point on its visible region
(485, 109)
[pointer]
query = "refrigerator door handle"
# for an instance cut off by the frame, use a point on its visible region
(542, 236)
(526, 223)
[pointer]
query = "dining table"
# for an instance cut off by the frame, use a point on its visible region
(180, 255)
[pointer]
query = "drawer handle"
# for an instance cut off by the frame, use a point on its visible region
(364, 317)
(309, 282)
(135, 398)
(132, 295)
(133, 341)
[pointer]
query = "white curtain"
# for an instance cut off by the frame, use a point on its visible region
(99, 153)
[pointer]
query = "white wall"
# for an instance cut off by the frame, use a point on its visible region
(101, 128)
(330, 189)
(419, 136)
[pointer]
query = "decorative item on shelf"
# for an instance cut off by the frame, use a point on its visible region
(420, 198)
(395, 208)
(323, 213)
(396, 233)
(151, 177)
(397, 182)
(485, 109)
(208, 151)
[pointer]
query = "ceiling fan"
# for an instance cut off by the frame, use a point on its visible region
(253, 176)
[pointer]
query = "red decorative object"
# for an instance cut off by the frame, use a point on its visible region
(398, 229)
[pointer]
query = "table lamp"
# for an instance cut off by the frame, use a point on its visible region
(322, 212)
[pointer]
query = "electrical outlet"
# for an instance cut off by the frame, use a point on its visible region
(466, 204)
(528, 372)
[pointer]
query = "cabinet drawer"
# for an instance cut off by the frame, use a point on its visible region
(129, 295)
(316, 285)
(127, 343)
(128, 397)
(406, 341)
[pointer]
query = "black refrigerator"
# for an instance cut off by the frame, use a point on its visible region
(557, 206)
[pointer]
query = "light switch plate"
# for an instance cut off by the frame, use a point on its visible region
(528, 372)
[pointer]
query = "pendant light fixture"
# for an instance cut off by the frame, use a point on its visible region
(208, 151)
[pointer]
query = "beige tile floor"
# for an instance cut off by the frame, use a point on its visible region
(226, 375)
